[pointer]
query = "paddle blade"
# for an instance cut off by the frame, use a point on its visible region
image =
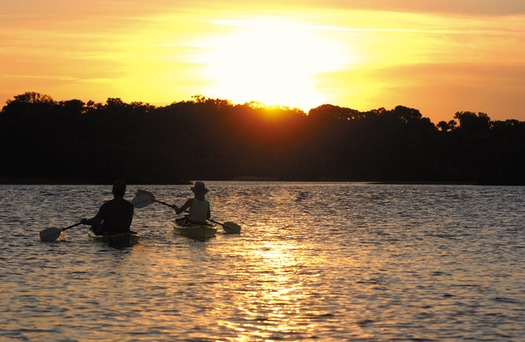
(145, 193)
(231, 228)
(141, 200)
(50, 234)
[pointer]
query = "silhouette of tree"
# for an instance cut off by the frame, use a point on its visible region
(76, 141)
(446, 126)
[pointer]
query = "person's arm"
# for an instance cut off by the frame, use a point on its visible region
(184, 207)
(94, 220)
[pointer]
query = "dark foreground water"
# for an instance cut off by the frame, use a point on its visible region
(337, 261)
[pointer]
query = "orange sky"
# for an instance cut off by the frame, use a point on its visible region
(439, 56)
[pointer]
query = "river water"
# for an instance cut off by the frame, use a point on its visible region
(315, 261)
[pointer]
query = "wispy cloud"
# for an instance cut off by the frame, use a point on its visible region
(454, 7)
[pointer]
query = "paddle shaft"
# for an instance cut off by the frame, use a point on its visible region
(167, 204)
(73, 225)
(228, 226)
(221, 224)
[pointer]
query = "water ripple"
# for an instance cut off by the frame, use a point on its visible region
(315, 261)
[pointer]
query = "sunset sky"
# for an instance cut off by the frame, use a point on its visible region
(438, 56)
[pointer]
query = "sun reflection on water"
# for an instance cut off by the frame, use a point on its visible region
(275, 299)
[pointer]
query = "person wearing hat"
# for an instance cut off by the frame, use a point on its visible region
(198, 207)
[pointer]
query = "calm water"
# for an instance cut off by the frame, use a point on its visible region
(338, 261)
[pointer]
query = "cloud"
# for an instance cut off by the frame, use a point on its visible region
(459, 7)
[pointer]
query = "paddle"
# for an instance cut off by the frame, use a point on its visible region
(51, 234)
(229, 227)
(144, 198)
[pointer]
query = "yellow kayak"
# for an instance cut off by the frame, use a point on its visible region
(196, 231)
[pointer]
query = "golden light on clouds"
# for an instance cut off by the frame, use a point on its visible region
(272, 61)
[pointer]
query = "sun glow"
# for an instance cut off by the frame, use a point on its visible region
(270, 61)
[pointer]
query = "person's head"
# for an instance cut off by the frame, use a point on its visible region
(119, 188)
(199, 189)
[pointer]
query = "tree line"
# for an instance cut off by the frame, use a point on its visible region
(212, 139)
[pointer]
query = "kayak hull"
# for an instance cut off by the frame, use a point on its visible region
(119, 240)
(200, 232)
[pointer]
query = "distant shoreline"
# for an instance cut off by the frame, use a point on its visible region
(53, 181)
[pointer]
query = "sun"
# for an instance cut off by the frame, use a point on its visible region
(270, 61)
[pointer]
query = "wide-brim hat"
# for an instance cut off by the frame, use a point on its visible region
(199, 188)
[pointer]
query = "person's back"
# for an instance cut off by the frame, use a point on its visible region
(114, 216)
(117, 215)
(198, 207)
(199, 210)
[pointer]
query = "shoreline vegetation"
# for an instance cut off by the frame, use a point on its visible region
(51, 181)
(75, 142)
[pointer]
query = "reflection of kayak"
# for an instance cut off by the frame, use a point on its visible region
(196, 231)
(118, 240)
